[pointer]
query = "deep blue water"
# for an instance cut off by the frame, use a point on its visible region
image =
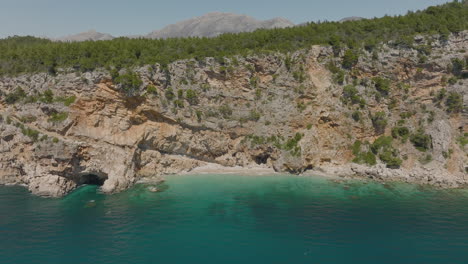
(238, 219)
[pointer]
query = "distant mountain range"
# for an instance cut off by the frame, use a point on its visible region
(354, 18)
(89, 35)
(209, 25)
(214, 24)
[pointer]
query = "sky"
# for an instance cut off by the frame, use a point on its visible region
(54, 18)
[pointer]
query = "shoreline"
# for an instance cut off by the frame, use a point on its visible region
(435, 178)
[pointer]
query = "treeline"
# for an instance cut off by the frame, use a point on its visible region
(28, 54)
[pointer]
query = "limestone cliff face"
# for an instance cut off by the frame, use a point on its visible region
(294, 113)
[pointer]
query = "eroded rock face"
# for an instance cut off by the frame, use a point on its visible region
(287, 112)
(51, 185)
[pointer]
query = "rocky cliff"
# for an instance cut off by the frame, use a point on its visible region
(394, 114)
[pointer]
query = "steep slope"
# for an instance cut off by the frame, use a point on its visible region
(217, 23)
(398, 113)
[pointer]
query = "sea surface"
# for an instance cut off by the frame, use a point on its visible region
(238, 219)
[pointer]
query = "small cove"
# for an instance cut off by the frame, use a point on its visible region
(234, 218)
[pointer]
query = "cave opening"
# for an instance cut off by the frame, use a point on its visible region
(262, 158)
(92, 179)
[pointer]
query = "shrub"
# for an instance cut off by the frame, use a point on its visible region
(351, 95)
(31, 133)
(401, 132)
(179, 103)
(47, 97)
(225, 111)
(254, 115)
(291, 143)
(180, 94)
(363, 157)
(254, 81)
(426, 159)
(67, 101)
(356, 115)
(58, 117)
(169, 93)
(199, 115)
(129, 83)
(454, 102)
(391, 159)
(457, 66)
(350, 58)
(28, 119)
(463, 140)
(382, 142)
(15, 96)
(191, 97)
(382, 85)
(151, 89)
(379, 122)
(299, 76)
(339, 77)
(421, 141)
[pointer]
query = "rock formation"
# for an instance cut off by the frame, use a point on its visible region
(292, 112)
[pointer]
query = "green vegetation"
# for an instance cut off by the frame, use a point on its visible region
(129, 83)
(179, 103)
(31, 133)
(291, 144)
(47, 97)
(299, 76)
(169, 93)
(463, 140)
(426, 159)
(151, 89)
(421, 141)
(19, 95)
(454, 102)
(28, 119)
(29, 54)
(199, 115)
(191, 97)
(356, 115)
(401, 132)
(379, 122)
(254, 115)
(387, 154)
(457, 67)
(225, 111)
(350, 58)
(15, 96)
(365, 157)
(58, 117)
(67, 101)
(351, 95)
(382, 85)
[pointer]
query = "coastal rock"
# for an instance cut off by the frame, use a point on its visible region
(286, 112)
(51, 186)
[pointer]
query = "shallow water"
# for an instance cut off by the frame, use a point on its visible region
(233, 219)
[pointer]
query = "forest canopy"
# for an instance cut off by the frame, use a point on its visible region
(29, 54)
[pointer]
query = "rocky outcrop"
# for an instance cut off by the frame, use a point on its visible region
(298, 113)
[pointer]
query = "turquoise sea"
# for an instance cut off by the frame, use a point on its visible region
(238, 219)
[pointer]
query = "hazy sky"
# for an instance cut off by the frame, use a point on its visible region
(125, 17)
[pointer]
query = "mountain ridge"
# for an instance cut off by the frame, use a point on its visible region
(209, 25)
